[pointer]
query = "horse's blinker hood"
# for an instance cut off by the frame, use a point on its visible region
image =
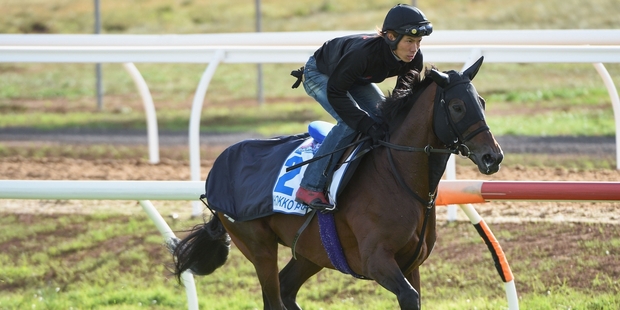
(449, 121)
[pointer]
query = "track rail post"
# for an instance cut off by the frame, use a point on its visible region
(499, 258)
(187, 278)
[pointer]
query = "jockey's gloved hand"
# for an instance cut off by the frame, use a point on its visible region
(377, 132)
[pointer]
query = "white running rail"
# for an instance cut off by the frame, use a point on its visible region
(499, 46)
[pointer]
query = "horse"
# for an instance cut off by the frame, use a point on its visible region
(386, 219)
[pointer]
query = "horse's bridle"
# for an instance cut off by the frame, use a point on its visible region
(455, 146)
(446, 129)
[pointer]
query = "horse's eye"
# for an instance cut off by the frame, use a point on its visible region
(457, 109)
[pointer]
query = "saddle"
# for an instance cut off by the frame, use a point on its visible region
(250, 180)
(347, 163)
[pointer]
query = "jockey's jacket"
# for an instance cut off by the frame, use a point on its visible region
(359, 60)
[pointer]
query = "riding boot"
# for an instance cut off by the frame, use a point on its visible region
(313, 199)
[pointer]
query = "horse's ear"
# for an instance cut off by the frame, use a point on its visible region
(440, 78)
(473, 69)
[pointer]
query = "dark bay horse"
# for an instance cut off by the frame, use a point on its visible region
(386, 218)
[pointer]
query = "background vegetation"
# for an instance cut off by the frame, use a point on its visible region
(108, 260)
(116, 261)
(524, 99)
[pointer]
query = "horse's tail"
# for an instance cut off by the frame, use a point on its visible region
(203, 251)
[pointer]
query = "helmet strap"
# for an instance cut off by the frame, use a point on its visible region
(393, 43)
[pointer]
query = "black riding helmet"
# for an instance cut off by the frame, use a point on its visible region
(405, 20)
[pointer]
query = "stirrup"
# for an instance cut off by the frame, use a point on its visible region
(323, 208)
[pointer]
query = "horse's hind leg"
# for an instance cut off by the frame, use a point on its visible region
(266, 265)
(258, 243)
(293, 276)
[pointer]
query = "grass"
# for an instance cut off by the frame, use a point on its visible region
(114, 261)
(524, 99)
(189, 16)
(529, 106)
(269, 119)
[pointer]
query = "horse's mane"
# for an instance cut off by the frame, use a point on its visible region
(398, 103)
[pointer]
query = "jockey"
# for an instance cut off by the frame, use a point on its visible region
(341, 76)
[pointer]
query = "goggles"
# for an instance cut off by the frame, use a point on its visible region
(419, 30)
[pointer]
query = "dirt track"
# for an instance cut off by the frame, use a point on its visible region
(61, 168)
(18, 168)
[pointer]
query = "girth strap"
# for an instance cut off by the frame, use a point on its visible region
(331, 243)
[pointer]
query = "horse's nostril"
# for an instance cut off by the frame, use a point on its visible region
(488, 159)
(491, 159)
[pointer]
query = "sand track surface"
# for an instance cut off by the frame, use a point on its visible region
(19, 168)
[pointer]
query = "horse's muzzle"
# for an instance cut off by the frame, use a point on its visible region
(485, 152)
(490, 162)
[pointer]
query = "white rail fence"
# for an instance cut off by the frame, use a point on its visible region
(498, 46)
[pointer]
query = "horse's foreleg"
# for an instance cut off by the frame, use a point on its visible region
(385, 270)
(414, 278)
(293, 276)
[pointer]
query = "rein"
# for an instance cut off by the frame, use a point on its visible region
(427, 149)
(315, 158)
(457, 147)
(432, 195)
(401, 181)
(429, 204)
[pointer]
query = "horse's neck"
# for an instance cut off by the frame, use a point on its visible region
(418, 124)
(417, 131)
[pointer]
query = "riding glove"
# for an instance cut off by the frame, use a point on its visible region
(377, 132)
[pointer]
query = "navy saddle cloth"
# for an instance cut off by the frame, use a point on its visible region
(249, 179)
